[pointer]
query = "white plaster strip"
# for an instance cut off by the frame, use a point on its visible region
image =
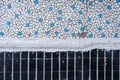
(52, 45)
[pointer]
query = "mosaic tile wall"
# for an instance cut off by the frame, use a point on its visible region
(59, 19)
(90, 65)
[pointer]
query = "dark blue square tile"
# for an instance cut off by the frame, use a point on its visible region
(8, 76)
(70, 64)
(55, 76)
(1, 76)
(32, 65)
(24, 76)
(116, 75)
(16, 75)
(55, 64)
(71, 75)
(40, 54)
(63, 75)
(63, 54)
(63, 64)
(47, 65)
(93, 75)
(78, 75)
(32, 75)
(48, 75)
(24, 65)
(40, 75)
(40, 65)
(101, 75)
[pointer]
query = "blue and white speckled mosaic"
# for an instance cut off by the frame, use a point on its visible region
(59, 19)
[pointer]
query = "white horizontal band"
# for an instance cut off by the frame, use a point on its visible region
(52, 45)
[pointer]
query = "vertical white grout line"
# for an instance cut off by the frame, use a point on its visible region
(51, 66)
(12, 65)
(36, 66)
(82, 66)
(89, 65)
(28, 66)
(104, 65)
(112, 65)
(20, 64)
(44, 66)
(4, 63)
(59, 66)
(75, 66)
(119, 64)
(97, 65)
(67, 67)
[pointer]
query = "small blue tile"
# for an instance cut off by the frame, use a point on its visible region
(107, 22)
(116, 35)
(66, 30)
(100, 28)
(8, 23)
(101, 1)
(89, 19)
(90, 35)
(117, 1)
(50, 8)
(52, 24)
(80, 12)
(16, 15)
(100, 15)
(47, 32)
(36, 2)
(103, 35)
(73, 34)
(59, 18)
(90, 3)
(82, 1)
(28, 11)
(73, 7)
(119, 24)
(69, 20)
(109, 7)
(36, 33)
(9, 6)
(57, 33)
(82, 28)
(40, 20)
(2, 34)
(19, 33)
(27, 24)
(59, 11)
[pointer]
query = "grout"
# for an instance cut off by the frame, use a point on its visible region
(59, 67)
(20, 64)
(67, 67)
(105, 65)
(12, 65)
(82, 67)
(75, 66)
(89, 65)
(112, 66)
(36, 67)
(4, 64)
(28, 65)
(97, 65)
(44, 66)
(51, 66)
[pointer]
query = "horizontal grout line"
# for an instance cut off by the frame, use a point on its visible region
(61, 58)
(55, 71)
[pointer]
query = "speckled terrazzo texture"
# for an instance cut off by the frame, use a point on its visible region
(62, 19)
